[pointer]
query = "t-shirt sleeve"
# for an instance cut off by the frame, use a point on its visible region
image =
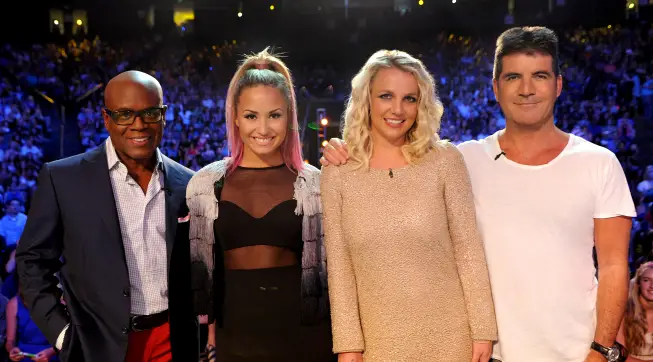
(614, 198)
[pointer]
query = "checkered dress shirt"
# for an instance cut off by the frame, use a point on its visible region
(143, 226)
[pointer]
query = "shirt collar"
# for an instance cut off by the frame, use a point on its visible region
(113, 160)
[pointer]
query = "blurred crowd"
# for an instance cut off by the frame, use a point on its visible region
(23, 131)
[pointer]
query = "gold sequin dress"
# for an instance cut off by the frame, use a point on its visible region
(407, 274)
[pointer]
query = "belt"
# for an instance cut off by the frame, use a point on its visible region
(139, 323)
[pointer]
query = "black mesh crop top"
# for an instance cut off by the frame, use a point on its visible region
(257, 208)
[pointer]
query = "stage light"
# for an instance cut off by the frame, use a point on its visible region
(271, 7)
(240, 14)
(324, 121)
(79, 22)
(609, 26)
(631, 6)
(325, 143)
(420, 2)
(56, 22)
(453, 1)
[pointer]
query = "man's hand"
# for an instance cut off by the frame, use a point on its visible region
(481, 351)
(350, 357)
(595, 356)
(335, 153)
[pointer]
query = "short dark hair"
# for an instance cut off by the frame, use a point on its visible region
(528, 40)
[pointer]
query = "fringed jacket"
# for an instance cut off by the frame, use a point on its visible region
(207, 256)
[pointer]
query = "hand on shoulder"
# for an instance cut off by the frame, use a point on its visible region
(335, 153)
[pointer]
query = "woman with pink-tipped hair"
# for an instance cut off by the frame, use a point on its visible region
(259, 269)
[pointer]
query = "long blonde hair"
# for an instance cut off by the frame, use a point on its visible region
(421, 138)
(635, 322)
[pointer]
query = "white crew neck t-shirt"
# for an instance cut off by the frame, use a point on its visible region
(537, 224)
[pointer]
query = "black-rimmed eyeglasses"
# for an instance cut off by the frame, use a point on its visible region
(126, 117)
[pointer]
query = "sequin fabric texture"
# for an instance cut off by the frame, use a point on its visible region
(407, 274)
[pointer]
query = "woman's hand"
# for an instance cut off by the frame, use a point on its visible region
(44, 355)
(14, 354)
(481, 351)
(350, 357)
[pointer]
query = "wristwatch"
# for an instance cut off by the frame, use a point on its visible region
(616, 353)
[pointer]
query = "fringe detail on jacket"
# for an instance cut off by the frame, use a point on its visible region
(203, 205)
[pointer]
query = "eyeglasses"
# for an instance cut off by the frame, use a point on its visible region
(126, 117)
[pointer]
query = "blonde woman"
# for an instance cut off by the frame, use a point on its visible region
(259, 268)
(407, 273)
(636, 331)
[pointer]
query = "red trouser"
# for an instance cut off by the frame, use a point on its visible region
(152, 345)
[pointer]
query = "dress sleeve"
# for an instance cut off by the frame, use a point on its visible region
(467, 245)
(345, 319)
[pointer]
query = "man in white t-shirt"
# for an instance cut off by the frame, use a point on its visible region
(544, 199)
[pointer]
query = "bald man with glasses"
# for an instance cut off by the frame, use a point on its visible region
(113, 223)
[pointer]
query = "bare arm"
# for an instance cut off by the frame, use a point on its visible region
(611, 239)
(11, 310)
(211, 337)
(210, 342)
(620, 334)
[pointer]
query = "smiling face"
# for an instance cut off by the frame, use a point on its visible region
(646, 286)
(527, 89)
(137, 141)
(262, 121)
(394, 96)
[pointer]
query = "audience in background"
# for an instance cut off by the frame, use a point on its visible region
(636, 331)
(13, 223)
(24, 336)
(608, 87)
(23, 131)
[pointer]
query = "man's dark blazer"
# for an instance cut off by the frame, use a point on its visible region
(73, 215)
